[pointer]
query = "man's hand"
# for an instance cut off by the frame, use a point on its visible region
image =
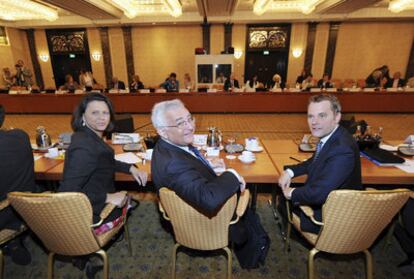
(140, 176)
(117, 198)
(242, 184)
(287, 192)
(284, 180)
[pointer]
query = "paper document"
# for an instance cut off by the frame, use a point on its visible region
(408, 166)
(128, 157)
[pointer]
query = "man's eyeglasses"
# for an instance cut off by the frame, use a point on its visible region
(183, 123)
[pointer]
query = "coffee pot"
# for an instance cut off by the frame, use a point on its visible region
(214, 137)
(42, 138)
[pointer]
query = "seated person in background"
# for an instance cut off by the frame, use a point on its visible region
(396, 81)
(277, 82)
(221, 78)
(23, 76)
(308, 83)
(86, 80)
(410, 82)
(188, 84)
(335, 164)
(252, 83)
(377, 76)
(405, 236)
(301, 77)
(325, 82)
(178, 165)
(70, 84)
(16, 174)
(136, 83)
(8, 77)
(231, 83)
(117, 84)
(171, 84)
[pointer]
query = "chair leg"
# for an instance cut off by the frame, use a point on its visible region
(50, 265)
(388, 237)
(229, 262)
(368, 258)
(287, 241)
(104, 256)
(311, 257)
(174, 255)
(126, 229)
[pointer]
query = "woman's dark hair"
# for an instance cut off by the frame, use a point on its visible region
(251, 81)
(77, 116)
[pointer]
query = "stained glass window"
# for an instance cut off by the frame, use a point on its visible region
(70, 42)
(267, 37)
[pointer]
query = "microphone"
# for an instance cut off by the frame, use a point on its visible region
(143, 126)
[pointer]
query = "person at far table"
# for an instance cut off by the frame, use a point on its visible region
(179, 166)
(301, 77)
(277, 82)
(253, 83)
(334, 165)
(188, 84)
(221, 78)
(16, 174)
(308, 83)
(171, 84)
(117, 84)
(86, 80)
(136, 83)
(231, 83)
(8, 78)
(23, 76)
(396, 81)
(325, 82)
(70, 84)
(90, 165)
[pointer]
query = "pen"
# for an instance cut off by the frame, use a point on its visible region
(295, 159)
(136, 165)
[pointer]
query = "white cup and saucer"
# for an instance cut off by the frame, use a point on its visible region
(252, 144)
(247, 157)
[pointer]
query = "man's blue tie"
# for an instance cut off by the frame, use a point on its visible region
(318, 151)
(199, 155)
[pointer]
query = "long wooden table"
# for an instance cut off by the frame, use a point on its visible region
(281, 151)
(220, 102)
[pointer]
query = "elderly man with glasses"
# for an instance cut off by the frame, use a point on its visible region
(178, 165)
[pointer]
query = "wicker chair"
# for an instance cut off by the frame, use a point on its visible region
(7, 234)
(63, 222)
(351, 221)
(194, 230)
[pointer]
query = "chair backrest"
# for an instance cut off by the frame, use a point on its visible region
(61, 220)
(194, 229)
(354, 219)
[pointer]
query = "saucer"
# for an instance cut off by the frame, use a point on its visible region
(257, 149)
(204, 147)
(246, 161)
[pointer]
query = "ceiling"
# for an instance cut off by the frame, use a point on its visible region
(74, 13)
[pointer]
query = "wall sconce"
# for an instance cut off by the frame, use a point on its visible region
(44, 57)
(297, 52)
(96, 56)
(238, 53)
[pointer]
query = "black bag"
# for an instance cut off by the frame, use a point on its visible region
(254, 250)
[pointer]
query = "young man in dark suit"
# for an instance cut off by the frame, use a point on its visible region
(176, 164)
(16, 174)
(335, 164)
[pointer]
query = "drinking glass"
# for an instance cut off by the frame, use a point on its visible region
(231, 141)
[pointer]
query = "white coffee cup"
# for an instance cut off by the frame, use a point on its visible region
(248, 155)
(213, 151)
(252, 143)
(53, 152)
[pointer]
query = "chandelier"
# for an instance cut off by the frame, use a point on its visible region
(25, 10)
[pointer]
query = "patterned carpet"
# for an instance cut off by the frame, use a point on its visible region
(152, 246)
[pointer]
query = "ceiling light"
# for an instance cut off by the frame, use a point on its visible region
(173, 7)
(25, 10)
(129, 7)
(397, 6)
(261, 6)
(303, 6)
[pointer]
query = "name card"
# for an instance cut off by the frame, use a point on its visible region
(200, 140)
(144, 91)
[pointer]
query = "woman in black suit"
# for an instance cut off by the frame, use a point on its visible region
(89, 164)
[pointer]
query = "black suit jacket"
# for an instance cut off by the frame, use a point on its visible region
(121, 85)
(190, 178)
(338, 167)
(90, 168)
(227, 84)
(16, 171)
(390, 82)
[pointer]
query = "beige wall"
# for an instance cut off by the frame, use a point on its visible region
(95, 45)
(320, 49)
(298, 38)
(45, 67)
(18, 48)
(361, 47)
(160, 50)
(117, 49)
(216, 39)
(239, 42)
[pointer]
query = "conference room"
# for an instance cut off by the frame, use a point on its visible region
(249, 74)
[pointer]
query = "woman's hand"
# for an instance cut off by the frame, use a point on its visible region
(118, 198)
(140, 176)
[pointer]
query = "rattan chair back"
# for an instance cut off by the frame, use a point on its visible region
(194, 229)
(354, 219)
(61, 220)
